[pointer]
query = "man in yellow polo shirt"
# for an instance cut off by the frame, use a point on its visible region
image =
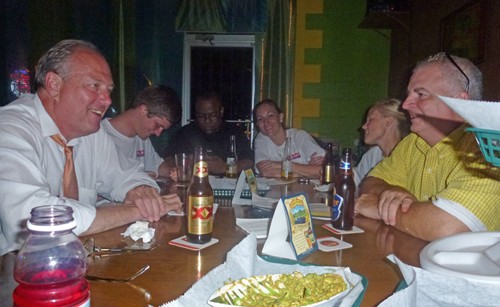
(436, 181)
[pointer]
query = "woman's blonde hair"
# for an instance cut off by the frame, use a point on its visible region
(391, 107)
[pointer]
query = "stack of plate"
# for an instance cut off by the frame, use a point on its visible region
(474, 256)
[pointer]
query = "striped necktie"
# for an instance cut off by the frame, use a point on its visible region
(70, 183)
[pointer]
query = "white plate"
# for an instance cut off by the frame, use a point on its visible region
(474, 256)
(239, 285)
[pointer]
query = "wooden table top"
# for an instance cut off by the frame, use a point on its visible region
(173, 269)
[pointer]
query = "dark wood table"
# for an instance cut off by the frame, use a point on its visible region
(174, 270)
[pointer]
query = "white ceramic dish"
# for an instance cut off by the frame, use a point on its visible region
(330, 302)
(474, 256)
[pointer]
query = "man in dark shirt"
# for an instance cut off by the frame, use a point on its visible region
(211, 132)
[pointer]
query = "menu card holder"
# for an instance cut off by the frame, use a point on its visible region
(240, 184)
(291, 220)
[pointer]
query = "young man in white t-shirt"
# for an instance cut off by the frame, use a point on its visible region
(156, 108)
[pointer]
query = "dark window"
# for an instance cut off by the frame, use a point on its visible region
(228, 71)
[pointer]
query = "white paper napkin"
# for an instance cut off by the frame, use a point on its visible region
(140, 230)
(255, 226)
(480, 114)
(434, 289)
(242, 261)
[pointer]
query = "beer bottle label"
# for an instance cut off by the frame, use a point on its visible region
(200, 219)
(286, 169)
(231, 167)
(327, 174)
(201, 169)
(338, 201)
(344, 165)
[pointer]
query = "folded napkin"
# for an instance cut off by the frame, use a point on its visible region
(256, 226)
(434, 289)
(242, 261)
(257, 200)
(140, 230)
(224, 183)
(263, 202)
(480, 114)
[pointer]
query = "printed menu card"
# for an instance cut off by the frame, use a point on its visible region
(291, 234)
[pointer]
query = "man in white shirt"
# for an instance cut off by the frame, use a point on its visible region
(73, 86)
(154, 109)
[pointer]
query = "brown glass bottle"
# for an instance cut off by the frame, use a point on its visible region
(199, 211)
(343, 202)
(328, 174)
(286, 163)
(232, 159)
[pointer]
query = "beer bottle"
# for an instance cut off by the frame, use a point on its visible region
(343, 202)
(232, 159)
(328, 165)
(199, 211)
(286, 164)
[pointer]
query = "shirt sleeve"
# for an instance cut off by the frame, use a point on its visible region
(308, 145)
(23, 186)
(368, 161)
(474, 184)
(152, 160)
(261, 148)
(393, 169)
(117, 174)
(243, 149)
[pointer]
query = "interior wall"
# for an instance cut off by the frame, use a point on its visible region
(424, 39)
(353, 66)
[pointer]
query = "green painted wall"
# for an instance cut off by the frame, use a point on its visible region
(354, 69)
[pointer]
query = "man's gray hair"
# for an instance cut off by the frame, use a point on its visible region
(453, 75)
(56, 58)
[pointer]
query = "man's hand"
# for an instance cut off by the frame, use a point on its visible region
(173, 202)
(148, 201)
(379, 200)
(315, 159)
(367, 206)
(269, 168)
(173, 174)
(216, 165)
(391, 200)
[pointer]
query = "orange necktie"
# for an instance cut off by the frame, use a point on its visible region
(70, 183)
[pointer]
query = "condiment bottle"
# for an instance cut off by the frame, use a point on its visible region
(286, 163)
(199, 212)
(50, 266)
(343, 203)
(232, 159)
(328, 171)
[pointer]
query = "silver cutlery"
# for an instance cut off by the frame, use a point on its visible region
(109, 279)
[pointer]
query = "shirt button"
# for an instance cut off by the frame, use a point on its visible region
(429, 170)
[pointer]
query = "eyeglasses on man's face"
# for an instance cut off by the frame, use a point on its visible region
(460, 69)
(207, 116)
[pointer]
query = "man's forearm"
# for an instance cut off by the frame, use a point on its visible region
(372, 185)
(426, 221)
(164, 169)
(113, 215)
(306, 170)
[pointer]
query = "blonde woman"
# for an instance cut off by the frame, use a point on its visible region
(386, 124)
